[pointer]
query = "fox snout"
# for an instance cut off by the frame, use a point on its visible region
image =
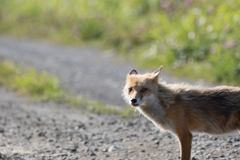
(136, 102)
(133, 100)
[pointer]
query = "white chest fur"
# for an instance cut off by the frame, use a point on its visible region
(153, 111)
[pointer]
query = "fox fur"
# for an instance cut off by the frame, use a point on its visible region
(183, 108)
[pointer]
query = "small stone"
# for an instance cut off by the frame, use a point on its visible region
(85, 142)
(1, 130)
(104, 150)
(86, 149)
(93, 154)
(208, 155)
(237, 145)
(157, 142)
(209, 144)
(215, 139)
(112, 148)
(60, 155)
(232, 156)
(73, 149)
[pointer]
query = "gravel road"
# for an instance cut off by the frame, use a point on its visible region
(46, 130)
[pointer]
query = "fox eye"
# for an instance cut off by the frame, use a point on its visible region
(144, 90)
(129, 89)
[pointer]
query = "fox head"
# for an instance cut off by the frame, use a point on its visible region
(141, 89)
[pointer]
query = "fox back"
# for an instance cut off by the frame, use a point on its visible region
(211, 110)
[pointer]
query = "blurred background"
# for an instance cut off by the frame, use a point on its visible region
(194, 39)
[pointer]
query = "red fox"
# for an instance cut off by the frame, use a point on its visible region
(182, 108)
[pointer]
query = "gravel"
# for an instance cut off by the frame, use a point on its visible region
(46, 130)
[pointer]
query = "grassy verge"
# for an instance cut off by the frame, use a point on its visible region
(45, 87)
(197, 39)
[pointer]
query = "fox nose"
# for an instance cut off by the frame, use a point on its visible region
(133, 100)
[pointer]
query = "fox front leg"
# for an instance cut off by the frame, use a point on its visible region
(185, 142)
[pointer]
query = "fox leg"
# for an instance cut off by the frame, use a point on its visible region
(185, 142)
(237, 117)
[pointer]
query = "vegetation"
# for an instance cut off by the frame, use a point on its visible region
(45, 87)
(198, 39)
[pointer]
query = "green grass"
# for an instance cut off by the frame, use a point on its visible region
(196, 39)
(41, 86)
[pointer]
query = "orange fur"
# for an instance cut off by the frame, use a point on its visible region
(183, 109)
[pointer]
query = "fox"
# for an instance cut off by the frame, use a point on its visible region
(182, 108)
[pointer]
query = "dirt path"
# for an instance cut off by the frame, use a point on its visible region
(82, 69)
(52, 131)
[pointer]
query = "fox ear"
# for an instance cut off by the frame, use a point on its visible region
(157, 71)
(133, 71)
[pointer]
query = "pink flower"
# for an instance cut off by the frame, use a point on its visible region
(188, 3)
(230, 44)
(212, 50)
